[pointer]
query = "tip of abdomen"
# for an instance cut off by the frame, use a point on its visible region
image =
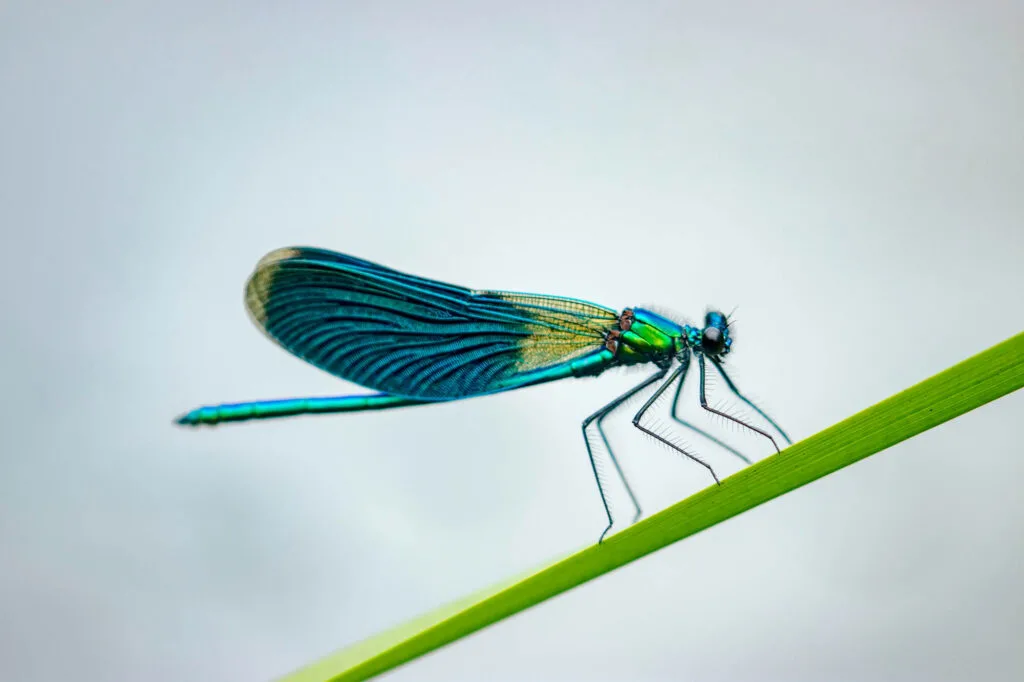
(193, 418)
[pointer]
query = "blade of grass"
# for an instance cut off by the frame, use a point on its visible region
(959, 389)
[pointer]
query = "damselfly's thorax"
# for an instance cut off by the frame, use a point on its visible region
(645, 336)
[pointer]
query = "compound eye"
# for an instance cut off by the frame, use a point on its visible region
(712, 341)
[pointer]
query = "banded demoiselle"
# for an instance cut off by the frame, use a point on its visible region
(421, 341)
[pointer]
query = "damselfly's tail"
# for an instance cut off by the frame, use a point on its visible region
(212, 415)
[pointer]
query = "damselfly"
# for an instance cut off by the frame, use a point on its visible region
(420, 341)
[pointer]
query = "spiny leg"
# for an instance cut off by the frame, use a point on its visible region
(716, 441)
(732, 387)
(611, 454)
(599, 422)
(704, 404)
(598, 416)
(684, 364)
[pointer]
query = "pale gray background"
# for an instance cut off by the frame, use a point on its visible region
(849, 174)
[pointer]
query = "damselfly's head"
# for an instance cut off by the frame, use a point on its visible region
(714, 340)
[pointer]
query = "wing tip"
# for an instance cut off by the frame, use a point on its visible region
(278, 255)
(257, 287)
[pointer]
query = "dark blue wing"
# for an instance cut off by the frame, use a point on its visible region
(410, 336)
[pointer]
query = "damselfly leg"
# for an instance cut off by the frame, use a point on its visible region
(598, 417)
(684, 364)
(696, 429)
(732, 387)
(704, 404)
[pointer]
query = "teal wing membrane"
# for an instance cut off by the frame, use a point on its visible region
(414, 337)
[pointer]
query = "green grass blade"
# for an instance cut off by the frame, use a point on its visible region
(959, 389)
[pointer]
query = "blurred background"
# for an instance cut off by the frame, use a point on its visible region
(848, 174)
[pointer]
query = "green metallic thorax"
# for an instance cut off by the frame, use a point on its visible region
(644, 336)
